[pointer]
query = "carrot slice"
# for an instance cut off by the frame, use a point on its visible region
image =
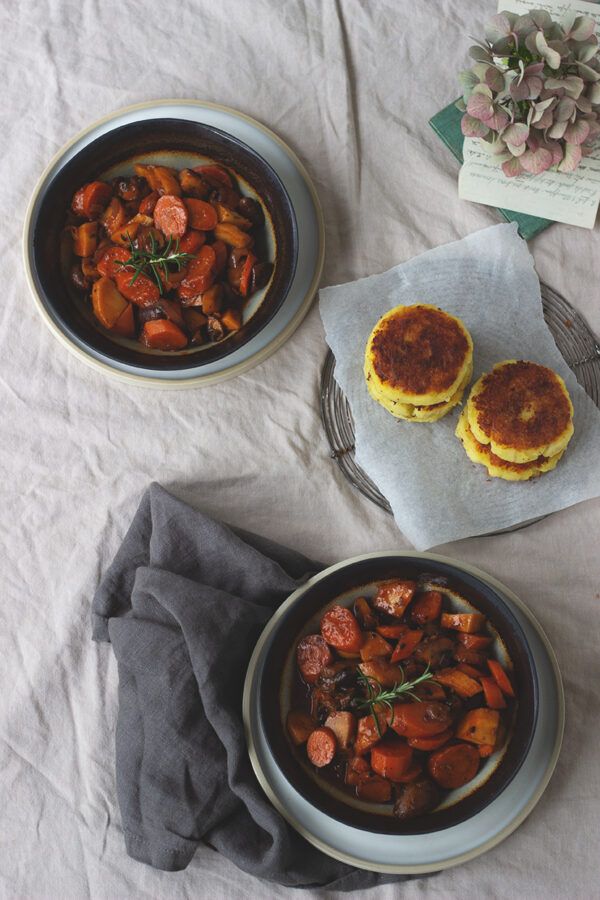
(424, 719)
(321, 747)
(426, 608)
(391, 759)
(148, 203)
(411, 774)
(201, 214)
(340, 628)
(470, 670)
(109, 262)
(374, 645)
(454, 766)
(171, 216)
(460, 683)
(431, 743)
(394, 597)
(493, 694)
(474, 641)
(143, 291)
(192, 241)
(91, 199)
(215, 174)
(480, 726)
(406, 644)
(367, 734)
(392, 631)
(161, 334)
(467, 622)
(485, 750)
(501, 677)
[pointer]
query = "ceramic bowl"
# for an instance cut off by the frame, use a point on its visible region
(465, 592)
(179, 143)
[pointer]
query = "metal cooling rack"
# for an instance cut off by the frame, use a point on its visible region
(573, 337)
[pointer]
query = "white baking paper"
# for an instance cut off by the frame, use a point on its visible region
(436, 493)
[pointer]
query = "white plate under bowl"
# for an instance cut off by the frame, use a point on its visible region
(416, 854)
(311, 241)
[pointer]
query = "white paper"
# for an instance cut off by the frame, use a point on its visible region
(436, 493)
(572, 198)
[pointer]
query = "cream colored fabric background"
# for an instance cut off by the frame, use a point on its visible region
(351, 86)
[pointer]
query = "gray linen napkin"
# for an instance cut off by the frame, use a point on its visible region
(183, 604)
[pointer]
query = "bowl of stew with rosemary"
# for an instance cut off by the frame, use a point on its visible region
(406, 695)
(165, 244)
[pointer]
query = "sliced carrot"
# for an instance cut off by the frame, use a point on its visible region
(394, 596)
(454, 766)
(470, 657)
(321, 746)
(474, 641)
(431, 743)
(423, 719)
(161, 179)
(461, 684)
(392, 631)
(367, 734)
(91, 199)
(467, 622)
(246, 279)
(470, 670)
(485, 750)
(192, 241)
(411, 774)
(374, 645)
(480, 726)
(381, 670)
(171, 216)
(109, 262)
(161, 334)
(406, 644)
(199, 275)
(501, 677)
(340, 628)
(300, 726)
(143, 291)
(215, 174)
(125, 324)
(391, 759)
(201, 214)
(493, 694)
(426, 608)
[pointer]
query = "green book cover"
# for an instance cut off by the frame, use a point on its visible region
(446, 125)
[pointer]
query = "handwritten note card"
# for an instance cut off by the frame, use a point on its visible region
(572, 198)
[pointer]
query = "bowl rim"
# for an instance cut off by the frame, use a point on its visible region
(330, 806)
(199, 380)
(456, 856)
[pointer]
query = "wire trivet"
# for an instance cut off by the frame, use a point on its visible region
(573, 337)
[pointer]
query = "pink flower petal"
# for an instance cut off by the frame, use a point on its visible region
(512, 167)
(572, 158)
(480, 107)
(578, 132)
(471, 127)
(536, 161)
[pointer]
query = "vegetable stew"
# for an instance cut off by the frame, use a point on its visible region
(399, 699)
(168, 257)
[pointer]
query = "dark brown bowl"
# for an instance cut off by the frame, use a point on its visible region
(176, 139)
(351, 577)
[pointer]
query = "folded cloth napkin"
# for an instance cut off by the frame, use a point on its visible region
(436, 493)
(183, 604)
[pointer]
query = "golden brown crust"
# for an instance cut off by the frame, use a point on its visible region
(521, 405)
(419, 351)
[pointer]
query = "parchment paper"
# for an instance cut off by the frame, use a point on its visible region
(436, 493)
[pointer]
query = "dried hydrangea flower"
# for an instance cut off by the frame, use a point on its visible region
(533, 92)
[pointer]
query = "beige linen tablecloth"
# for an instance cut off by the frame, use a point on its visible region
(351, 86)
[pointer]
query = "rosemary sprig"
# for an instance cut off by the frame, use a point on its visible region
(376, 694)
(154, 261)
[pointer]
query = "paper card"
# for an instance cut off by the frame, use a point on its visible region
(572, 198)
